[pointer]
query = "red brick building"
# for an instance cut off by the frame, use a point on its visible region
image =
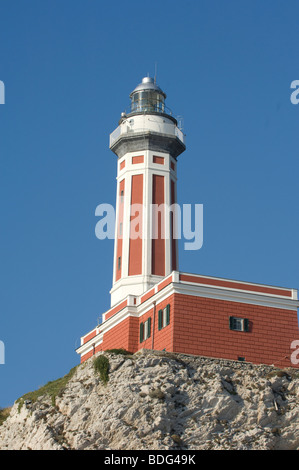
(153, 305)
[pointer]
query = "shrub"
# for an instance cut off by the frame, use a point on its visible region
(101, 366)
(4, 413)
(122, 351)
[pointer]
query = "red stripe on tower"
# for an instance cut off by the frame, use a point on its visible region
(135, 249)
(158, 243)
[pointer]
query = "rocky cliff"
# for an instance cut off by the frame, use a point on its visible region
(159, 401)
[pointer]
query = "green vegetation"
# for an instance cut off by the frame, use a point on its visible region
(53, 389)
(122, 351)
(4, 414)
(101, 366)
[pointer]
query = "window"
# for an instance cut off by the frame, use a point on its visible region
(164, 317)
(120, 229)
(238, 324)
(119, 262)
(145, 330)
(122, 196)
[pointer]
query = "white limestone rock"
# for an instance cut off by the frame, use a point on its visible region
(156, 400)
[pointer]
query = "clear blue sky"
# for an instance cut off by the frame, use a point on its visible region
(69, 67)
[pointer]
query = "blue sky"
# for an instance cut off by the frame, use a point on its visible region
(68, 68)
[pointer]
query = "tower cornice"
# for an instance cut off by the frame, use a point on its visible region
(147, 140)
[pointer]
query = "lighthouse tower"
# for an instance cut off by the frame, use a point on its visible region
(147, 143)
(153, 304)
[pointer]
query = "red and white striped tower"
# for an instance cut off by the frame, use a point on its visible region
(147, 143)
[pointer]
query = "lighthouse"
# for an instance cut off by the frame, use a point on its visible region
(156, 306)
(147, 143)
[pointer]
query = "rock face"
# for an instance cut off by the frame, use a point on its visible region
(162, 401)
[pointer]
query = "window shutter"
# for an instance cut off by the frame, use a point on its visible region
(246, 324)
(149, 327)
(168, 314)
(231, 323)
(141, 331)
(160, 319)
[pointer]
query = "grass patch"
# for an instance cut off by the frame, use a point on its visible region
(122, 351)
(101, 366)
(53, 389)
(4, 414)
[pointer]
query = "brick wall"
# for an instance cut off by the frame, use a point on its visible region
(159, 339)
(122, 335)
(86, 356)
(201, 327)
